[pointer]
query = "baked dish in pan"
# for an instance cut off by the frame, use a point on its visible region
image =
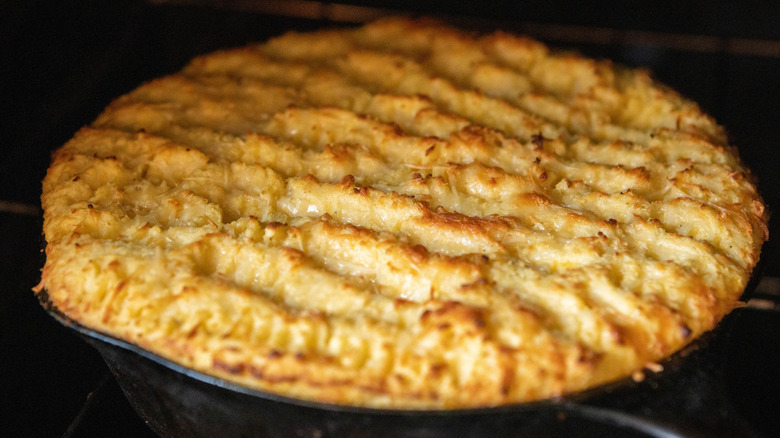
(402, 216)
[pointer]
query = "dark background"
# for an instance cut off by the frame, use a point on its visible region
(62, 62)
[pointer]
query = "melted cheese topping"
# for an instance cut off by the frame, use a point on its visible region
(402, 215)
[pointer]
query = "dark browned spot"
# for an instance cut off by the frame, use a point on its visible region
(475, 284)
(235, 368)
(121, 285)
(348, 181)
(438, 369)
(685, 331)
(537, 140)
(418, 253)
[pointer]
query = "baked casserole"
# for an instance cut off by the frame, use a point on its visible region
(402, 215)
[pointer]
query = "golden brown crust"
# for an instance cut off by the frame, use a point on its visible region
(402, 215)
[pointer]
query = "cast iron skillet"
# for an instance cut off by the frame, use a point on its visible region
(686, 398)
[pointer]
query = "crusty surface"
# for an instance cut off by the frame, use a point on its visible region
(402, 215)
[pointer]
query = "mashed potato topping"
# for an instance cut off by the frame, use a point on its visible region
(402, 215)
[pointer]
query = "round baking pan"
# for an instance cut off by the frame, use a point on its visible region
(683, 398)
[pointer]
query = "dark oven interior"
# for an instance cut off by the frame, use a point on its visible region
(63, 61)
